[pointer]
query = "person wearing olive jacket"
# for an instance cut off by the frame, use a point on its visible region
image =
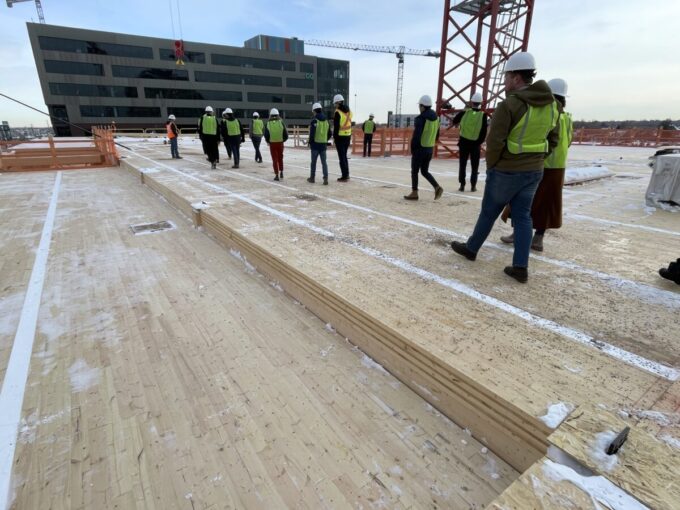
(425, 136)
(546, 209)
(523, 131)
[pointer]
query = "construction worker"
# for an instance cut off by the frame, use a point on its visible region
(425, 135)
(256, 132)
(173, 133)
(523, 130)
(368, 127)
(224, 134)
(546, 209)
(275, 134)
(208, 132)
(319, 134)
(234, 135)
(473, 125)
(342, 134)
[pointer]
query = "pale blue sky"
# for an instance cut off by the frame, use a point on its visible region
(619, 56)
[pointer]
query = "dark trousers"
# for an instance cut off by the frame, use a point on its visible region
(420, 163)
(368, 141)
(235, 144)
(205, 148)
(471, 151)
(341, 145)
(211, 144)
(173, 147)
(276, 150)
(257, 140)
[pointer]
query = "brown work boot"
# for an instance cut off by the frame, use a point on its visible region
(310, 180)
(462, 249)
(438, 192)
(412, 196)
(518, 273)
(508, 239)
(537, 243)
(325, 181)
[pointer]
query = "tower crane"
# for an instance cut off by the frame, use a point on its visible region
(38, 6)
(399, 51)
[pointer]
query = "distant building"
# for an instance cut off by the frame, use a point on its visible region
(407, 119)
(5, 132)
(90, 77)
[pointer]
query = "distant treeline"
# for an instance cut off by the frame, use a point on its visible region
(628, 124)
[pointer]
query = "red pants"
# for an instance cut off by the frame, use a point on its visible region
(276, 150)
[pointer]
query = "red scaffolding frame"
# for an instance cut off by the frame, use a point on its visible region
(478, 37)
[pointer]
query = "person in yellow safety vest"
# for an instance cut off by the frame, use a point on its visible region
(473, 125)
(425, 136)
(224, 135)
(256, 133)
(275, 134)
(209, 135)
(369, 128)
(319, 134)
(232, 132)
(173, 134)
(523, 131)
(546, 209)
(342, 134)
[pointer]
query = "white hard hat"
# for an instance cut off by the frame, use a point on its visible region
(558, 87)
(338, 98)
(425, 100)
(371, 115)
(171, 117)
(255, 114)
(522, 61)
(316, 105)
(208, 109)
(228, 110)
(476, 97)
(273, 111)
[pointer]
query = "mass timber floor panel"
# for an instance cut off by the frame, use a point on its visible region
(24, 199)
(167, 374)
(539, 367)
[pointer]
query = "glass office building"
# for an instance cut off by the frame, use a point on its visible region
(90, 77)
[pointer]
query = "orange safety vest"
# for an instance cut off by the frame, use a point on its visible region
(168, 126)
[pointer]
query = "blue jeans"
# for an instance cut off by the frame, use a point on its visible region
(518, 190)
(173, 148)
(315, 154)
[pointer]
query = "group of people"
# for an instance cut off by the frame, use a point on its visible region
(526, 154)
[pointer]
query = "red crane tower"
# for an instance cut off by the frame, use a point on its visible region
(478, 37)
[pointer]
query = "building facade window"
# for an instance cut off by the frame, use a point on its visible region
(68, 67)
(186, 94)
(150, 73)
(306, 67)
(300, 83)
(94, 48)
(119, 111)
(195, 57)
(254, 63)
(82, 89)
(264, 97)
(238, 79)
(196, 113)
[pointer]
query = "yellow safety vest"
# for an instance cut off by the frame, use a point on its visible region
(258, 126)
(429, 136)
(345, 123)
(530, 134)
(471, 124)
(558, 157)
(275, 128)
